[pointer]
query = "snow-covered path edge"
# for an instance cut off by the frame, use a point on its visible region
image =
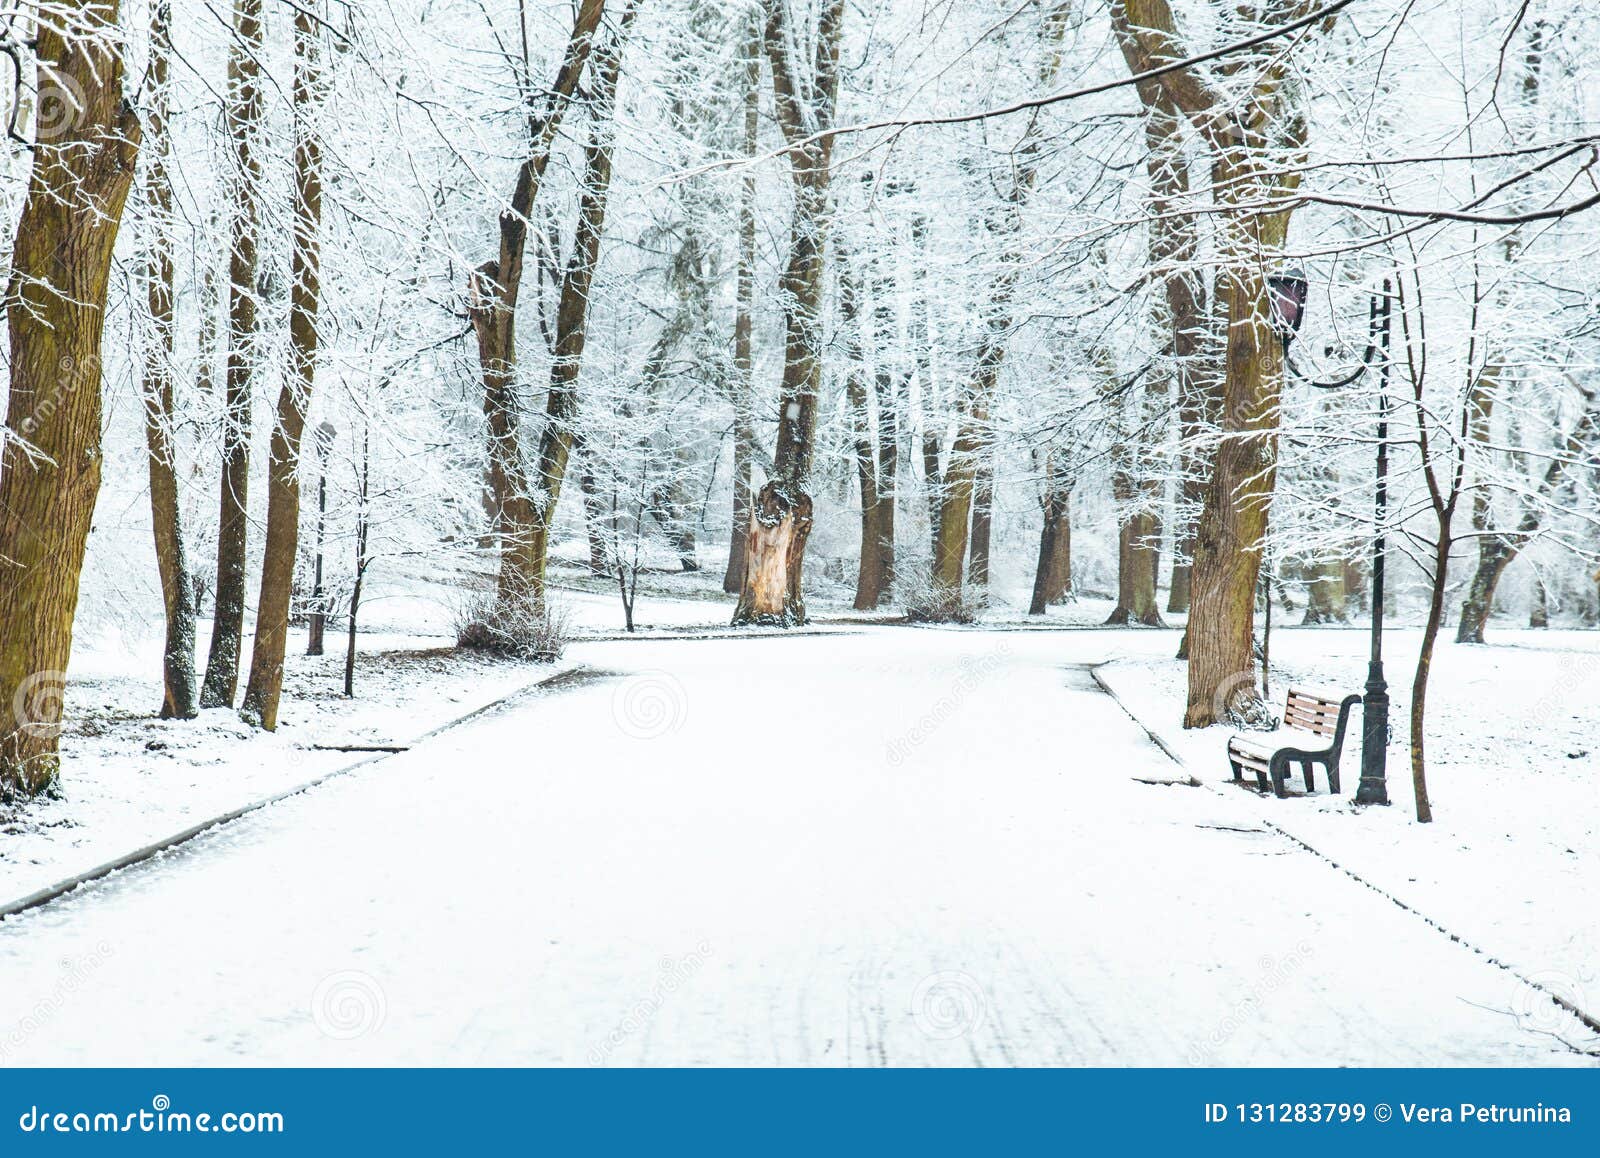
(550, 682)
(1590, 1019)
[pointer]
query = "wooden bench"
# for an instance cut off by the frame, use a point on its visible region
(1312, 733)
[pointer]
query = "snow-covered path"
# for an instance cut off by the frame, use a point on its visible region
(891, 847)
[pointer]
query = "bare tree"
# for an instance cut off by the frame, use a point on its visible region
(55, 312)
(245, 113)
(179, 693)
(1248, 137)
(492, 307)
(806, 96)
(265, 685)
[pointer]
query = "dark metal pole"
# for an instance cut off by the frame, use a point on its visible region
(1374, 787)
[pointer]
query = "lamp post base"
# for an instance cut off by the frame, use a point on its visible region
(1374, 787)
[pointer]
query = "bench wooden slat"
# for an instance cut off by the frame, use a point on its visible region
(1313, 724)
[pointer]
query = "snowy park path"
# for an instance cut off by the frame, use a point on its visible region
(892, 847)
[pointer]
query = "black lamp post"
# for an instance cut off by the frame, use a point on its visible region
(1287, 292)
(324, 436)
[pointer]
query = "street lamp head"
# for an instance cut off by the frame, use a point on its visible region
(1286, 291)
(325, 434)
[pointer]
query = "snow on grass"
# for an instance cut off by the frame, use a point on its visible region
(1512, 859)
(129, 779)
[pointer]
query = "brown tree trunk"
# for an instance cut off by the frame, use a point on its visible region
(1494, 556)
(245, 114)
(1138, 561)
(1249, 135)
(492, 308)
(1419, 681)
(973, 442)
(1233, 522)
(870, 577)
(1052, 577)
(572, 324)
(888, 398)
(265, 686)
(50, 460)
(982, 524)
(781, 521)
(744, 425)
(179, 692)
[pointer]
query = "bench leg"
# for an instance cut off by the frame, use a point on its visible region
(1333, 775)
(1311, 782)
(1280, 774)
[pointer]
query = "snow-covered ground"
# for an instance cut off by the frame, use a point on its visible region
(887, 846)
(129, 780)
(1511, 861)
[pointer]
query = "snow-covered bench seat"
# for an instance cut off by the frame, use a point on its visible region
(1312, 733)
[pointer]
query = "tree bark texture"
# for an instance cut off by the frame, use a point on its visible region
(265, 686)
(246, 110)
(55, 313)
(1249, 136)
(744, 424)
(179, 691)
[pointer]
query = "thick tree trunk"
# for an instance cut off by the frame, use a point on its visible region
(1494, 556)
(179, 691)
(50, 457)
(1138, 564)
(1052, 577)
(744, 424)
(1248, 150)
(781, 521)
(982, 524)
(1232, 525)
(245, 114)
(779, 528)
(265, 686)
(492, 308)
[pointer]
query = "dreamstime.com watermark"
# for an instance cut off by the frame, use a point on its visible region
(71, 374)
(75, 974)
(1554, 1007)
(974, 670)
(650, 705)
(349, 1004)
(948, 1004)
(159, 1118)
(61, 108)
(1275, 973)
(672, 974)
(37, 704)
